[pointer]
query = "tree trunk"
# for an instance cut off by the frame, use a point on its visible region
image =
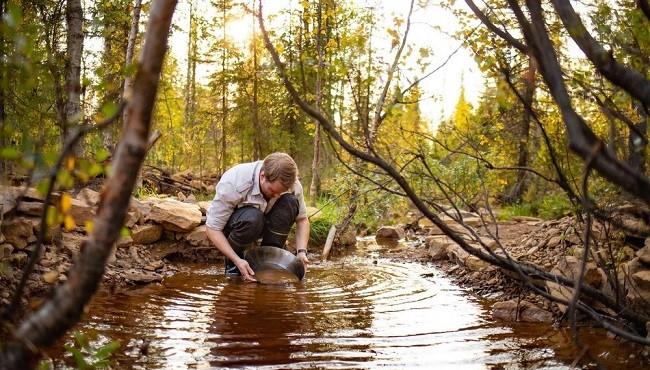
(257, 136)
(75, 38)
(636, 144)
(63, 310)
(3, 84)
(519, 187)
(224, 92)
(130, 48)
(314, 188)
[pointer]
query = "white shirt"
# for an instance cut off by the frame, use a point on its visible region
(239, 186)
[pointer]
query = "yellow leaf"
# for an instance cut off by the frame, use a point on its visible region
(69, 163)
(89, 226)
(68, 223)
(66, 202)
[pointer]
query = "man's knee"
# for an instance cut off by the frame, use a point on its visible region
(246, 226)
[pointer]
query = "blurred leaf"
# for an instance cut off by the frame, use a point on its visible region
(107, 350)
(124, 231)
(51, 218)
(9, 153)
(102, 154)
(109, 109)
(42, 186)
(79, 359)
(69, 163)
(66, 202)
(81, 339)
(89, 226)
(68, 223)
(46, 364)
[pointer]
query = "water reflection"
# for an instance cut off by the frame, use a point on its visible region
(354, 312)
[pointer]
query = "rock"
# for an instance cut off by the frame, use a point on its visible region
(81, 211)
(472, 221)
(522, 312)
(198, 237)
(72, 242)
(155, 265)
(30, 208)
(124, 242)
(5, 250)
(190, 199)
(50, 277)
(349, 237)
(135, 276)
(642, 279)
(89, 196)
(18, 258)
(314, 213)
(390, 232)
(458, 254)
(204, 206)
(438, 247)
(644, 253)
(18, 231)
(176, 216)
(143, 208)
(165, 248)
(146, 234)
(554, 241)
(569, 267)
(534, 220)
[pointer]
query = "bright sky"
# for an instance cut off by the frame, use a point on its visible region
(443, 87)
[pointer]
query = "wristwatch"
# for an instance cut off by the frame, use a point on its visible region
(301, 250)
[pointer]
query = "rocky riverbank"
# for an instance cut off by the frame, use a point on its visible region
(619, 264)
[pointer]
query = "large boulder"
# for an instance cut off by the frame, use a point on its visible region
(198, 237)
(146, 234)
(89, 196)
(30, 208)
(522, 311)
(81, 211)
(349, 237)
(176, 216)
(390, 232)
(461, 257)
(18, 232)
(569, 267)
(438, 246)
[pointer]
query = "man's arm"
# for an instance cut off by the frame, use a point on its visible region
(221, 242)
(302, 238)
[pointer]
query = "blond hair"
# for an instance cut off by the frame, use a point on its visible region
(280, 166)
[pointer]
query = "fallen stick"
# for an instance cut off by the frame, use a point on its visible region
(328, 242)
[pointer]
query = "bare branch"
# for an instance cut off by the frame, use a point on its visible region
(505, 35)
(629, 79)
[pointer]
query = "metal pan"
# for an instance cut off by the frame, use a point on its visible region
(266, 258)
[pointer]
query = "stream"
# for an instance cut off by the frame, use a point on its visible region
(359, 311)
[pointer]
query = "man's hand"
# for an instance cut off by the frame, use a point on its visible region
(245, 269)
(302, 256)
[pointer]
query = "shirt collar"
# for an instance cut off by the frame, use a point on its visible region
(256, 178)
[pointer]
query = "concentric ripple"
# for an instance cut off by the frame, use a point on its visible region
(355, 312)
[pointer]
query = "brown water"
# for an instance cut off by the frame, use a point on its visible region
(357, 312)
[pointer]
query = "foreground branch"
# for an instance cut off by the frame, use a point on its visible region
(64, 309)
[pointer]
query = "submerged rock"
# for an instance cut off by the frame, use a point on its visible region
(522, 311)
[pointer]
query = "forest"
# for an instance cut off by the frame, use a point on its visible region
(470, 126)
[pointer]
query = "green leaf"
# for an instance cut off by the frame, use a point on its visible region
(109, 109)
(107, 350)
(78, 357)
(9, 153)
(124, 231)
(42, 186)
(81, 339)
(102, 154)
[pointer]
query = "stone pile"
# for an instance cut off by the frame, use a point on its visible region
(157, 228)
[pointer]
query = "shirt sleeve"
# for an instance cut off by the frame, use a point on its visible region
(226, 199)
(302, 207)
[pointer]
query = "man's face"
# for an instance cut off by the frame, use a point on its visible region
(271, 189)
